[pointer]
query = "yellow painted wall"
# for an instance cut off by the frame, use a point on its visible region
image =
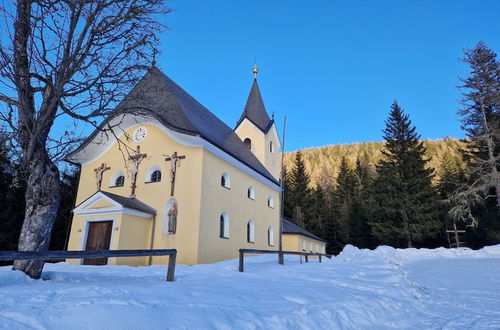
(272, 161)
(248, 130)
(134, 234)
(101, 204)
(234, 201)
(156, 194)
(293, 242)
(260, 145)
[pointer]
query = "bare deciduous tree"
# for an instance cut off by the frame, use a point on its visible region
(66, 62)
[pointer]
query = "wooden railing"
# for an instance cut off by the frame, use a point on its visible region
(51, 255)
(280, 253)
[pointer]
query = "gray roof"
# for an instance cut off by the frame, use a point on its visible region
(129, 203)
(157, 95)
(291, 228)
(255, 111)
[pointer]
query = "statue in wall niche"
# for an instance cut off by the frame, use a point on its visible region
(172, 218)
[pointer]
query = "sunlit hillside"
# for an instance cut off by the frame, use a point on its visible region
(323, 162)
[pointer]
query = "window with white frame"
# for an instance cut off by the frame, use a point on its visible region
(117, 179)
(250, 232)
(270, 202)
(303, 245)
(224, 225)
(270, 236)
(311, 246)
(225, 180)
(251, 192)
(153, 174)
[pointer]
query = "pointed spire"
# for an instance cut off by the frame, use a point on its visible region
(255, 111)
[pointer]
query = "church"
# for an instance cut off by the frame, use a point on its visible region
(163, 172)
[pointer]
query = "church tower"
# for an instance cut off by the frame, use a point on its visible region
(258, 131)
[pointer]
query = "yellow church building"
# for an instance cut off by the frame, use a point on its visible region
(163, 172)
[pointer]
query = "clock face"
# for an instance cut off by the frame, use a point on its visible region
(140, 134)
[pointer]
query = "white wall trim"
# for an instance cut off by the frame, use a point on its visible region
(83, 208)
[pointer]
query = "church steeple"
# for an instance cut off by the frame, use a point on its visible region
(257, 131)
(255, 111)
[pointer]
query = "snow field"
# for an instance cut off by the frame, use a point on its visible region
(359, 289)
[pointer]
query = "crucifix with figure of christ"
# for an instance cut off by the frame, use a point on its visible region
(174, 159)
(98, 174)
(135, 160)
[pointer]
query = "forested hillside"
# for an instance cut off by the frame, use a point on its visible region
(323, 163)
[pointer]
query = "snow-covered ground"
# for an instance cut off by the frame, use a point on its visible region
(359, 289)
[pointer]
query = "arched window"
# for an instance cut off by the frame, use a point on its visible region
(251, 192)
(270, 202)
(271, 147)
(250, 232)
(117, 179)
(225, 180)
(170, 217)
(153, 174)
(156, 176)
(248, 143)
(270, 236)
(224, 225)
(120, 181)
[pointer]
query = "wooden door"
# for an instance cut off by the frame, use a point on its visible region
(98, 238)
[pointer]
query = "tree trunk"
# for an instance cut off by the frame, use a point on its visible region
(42, 202)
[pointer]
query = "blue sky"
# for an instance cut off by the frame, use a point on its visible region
(332, 67)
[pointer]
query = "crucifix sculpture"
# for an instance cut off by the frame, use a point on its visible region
(174, 159)
(135, 160)
(98, 174)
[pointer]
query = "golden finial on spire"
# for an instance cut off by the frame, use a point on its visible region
(255, 70)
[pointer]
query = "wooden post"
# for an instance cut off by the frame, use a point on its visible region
(281, 259)
(171, 267)
(319, 257)
(307, 258)
(240, 268)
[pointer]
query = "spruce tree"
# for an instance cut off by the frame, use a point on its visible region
(361, 206)
(343, 198)
(481, 122)
(300, 193)
(405, 200)
(320, 212)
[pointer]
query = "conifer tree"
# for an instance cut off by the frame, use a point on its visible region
(481, 122)
(12, 189)
(361, 206)
(320, 212)
(343, 198)
(404, 197)
(300, 193)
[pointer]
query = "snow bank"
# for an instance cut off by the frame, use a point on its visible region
(380, 289)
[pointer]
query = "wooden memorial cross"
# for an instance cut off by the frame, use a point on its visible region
(136, 160)
(174, 159)
(456, 233)
(98, 174)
